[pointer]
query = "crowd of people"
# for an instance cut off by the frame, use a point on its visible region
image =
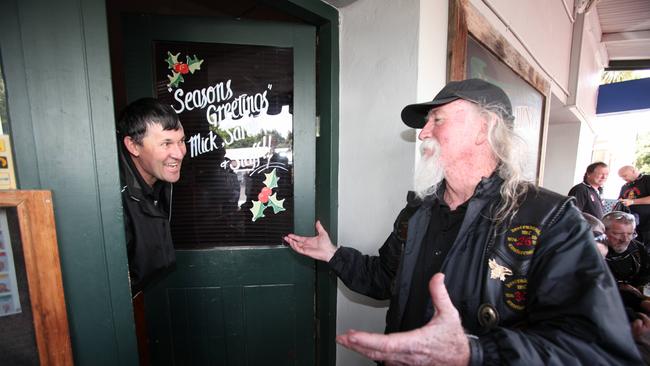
(622, 237)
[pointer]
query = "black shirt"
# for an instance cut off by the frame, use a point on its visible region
(632, 266)
(640, 187)
(440, 237)
(588, 199)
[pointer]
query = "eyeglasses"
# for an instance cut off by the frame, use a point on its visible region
(624, 236)
(600, 237)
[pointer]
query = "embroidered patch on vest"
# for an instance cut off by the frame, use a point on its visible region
(498, 271)
(515, 293)
(523, 239)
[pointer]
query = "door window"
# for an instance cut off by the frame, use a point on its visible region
(236, 105)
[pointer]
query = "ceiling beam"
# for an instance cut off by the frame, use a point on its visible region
(620, 65)
(618, 37)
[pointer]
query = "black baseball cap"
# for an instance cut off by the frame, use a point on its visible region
(473, 90)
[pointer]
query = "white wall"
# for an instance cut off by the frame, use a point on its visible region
(591, 64)
(560, 163)
(378, 76)
(539, 30)
(584, 155)
(542, 32)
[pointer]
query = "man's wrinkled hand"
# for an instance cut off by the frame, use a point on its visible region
(440, 342)
(318, 247)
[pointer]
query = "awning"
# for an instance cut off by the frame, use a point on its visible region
(625, 96)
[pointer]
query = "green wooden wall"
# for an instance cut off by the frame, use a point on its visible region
(55, 61)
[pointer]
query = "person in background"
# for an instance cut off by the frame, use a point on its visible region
(481, 267)
(628, 259)
(637, 305)
(635, 194)
(598, 230)
(587, 193)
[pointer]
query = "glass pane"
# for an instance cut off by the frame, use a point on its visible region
(18, 340)
(527, 102)
(235, 103)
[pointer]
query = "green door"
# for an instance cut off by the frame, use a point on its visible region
(245, 93)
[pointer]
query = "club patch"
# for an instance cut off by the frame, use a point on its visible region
(523, 239)
(515, 293)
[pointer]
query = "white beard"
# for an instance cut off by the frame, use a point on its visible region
(429, 172)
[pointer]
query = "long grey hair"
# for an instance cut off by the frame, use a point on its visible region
(510, 151)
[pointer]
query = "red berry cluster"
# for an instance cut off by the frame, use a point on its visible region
(264, 194)
(181, 68)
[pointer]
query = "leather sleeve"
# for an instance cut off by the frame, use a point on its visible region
(575, 315)
(372, 276)
(581, 196)
(644, 271)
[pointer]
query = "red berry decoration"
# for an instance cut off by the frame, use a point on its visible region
(177, 67)
(267, 191)
(184, 69)
(264, 198)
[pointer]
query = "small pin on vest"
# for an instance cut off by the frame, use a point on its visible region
(498, 271)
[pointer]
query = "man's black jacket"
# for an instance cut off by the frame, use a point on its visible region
(558, 306)
(146, 221)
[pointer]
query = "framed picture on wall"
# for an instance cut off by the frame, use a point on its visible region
(478, 50)
(33, 318)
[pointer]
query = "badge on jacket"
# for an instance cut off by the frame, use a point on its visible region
(522, 239)
(498, 271)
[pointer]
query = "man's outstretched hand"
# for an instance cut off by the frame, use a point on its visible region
(440, 342)
(318, 247)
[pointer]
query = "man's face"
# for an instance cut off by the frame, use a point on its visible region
(598, 177)
(619, 235)
(450, 126)
(160, 154)
(627, 175)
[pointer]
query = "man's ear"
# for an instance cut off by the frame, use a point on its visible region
(132, 147)
(482, 134)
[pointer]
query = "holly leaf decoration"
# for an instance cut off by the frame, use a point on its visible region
(271, 180)
(194, 63)
(258, 210)
(174, 79)
(276, 204)
(172, 59)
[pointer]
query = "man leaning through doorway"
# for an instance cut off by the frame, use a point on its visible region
(151, 148)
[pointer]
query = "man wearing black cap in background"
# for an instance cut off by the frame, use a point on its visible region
(482, 267)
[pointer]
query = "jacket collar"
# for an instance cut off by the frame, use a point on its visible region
(599, 190)
(486, 188)
(135, 186)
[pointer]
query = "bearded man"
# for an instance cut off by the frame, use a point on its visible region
(482, 267)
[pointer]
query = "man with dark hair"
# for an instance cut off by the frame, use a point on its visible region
(587, 193)
(482, 267)
(635, 194)
(152, 147)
